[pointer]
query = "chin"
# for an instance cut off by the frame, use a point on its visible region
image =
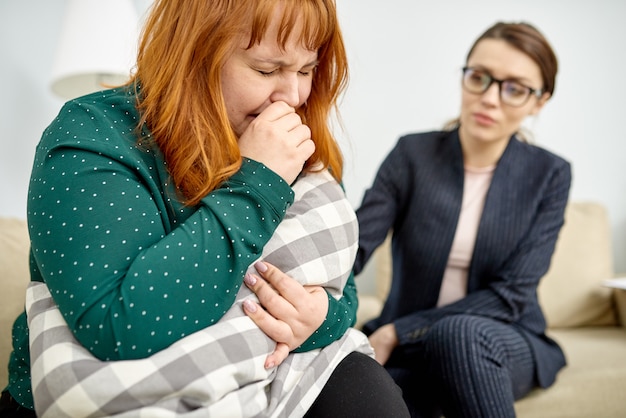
(241, 128)
(482, 132)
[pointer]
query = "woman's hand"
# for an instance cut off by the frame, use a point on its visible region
(384, 340)
(278, 138)
(292, 312)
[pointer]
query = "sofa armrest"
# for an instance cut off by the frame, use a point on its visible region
(369, 308)
(620, 302)
(618, 284)
(14, 278)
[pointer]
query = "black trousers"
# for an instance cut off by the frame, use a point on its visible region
(9, 408)
(465, 366)
(359, 387)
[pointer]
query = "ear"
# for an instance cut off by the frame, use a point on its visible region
(540, 103)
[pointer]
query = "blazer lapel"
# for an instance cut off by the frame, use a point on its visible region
(499, 228)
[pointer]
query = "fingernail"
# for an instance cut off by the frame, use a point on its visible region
(249, 306)
(249, 279)
(260, 267)
(270, 365)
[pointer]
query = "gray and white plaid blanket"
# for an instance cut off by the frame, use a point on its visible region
(218, 371)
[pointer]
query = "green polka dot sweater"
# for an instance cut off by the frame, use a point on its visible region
(132, 269)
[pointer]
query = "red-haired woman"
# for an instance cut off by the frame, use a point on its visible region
(148, 202)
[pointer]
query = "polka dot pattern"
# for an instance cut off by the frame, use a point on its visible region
(132, 269)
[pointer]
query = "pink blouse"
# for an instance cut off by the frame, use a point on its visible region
(454, 285)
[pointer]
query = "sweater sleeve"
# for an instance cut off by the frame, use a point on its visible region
(127, 282)
(381, 204)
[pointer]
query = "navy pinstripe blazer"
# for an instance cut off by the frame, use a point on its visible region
(417, 193)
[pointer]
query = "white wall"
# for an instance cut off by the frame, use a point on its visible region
(405, 58)
(29, 30)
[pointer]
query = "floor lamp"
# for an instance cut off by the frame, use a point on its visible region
(97, 47)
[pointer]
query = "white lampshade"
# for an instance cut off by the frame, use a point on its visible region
(97, 47)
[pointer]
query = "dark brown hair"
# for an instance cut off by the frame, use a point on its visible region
(525, 38)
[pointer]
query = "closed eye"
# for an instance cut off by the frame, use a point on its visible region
(305, 73)
(308, 70)
(267, 73)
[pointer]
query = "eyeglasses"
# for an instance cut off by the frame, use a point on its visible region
(512, 92)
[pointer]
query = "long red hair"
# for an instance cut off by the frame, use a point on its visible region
(183, 47)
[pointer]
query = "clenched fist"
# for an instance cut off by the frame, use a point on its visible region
(278, 138)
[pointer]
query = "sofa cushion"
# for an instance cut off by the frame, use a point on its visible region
(14, 276)
(571, 293)
(591, 384)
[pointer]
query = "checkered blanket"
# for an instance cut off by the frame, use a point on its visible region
(218, 371)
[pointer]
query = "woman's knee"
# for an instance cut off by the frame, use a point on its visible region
(449, 330)
(462, 340)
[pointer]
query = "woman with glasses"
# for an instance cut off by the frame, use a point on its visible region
(475, 212)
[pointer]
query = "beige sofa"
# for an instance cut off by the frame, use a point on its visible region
(585, 317)
(582, 314)
(14, 277)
